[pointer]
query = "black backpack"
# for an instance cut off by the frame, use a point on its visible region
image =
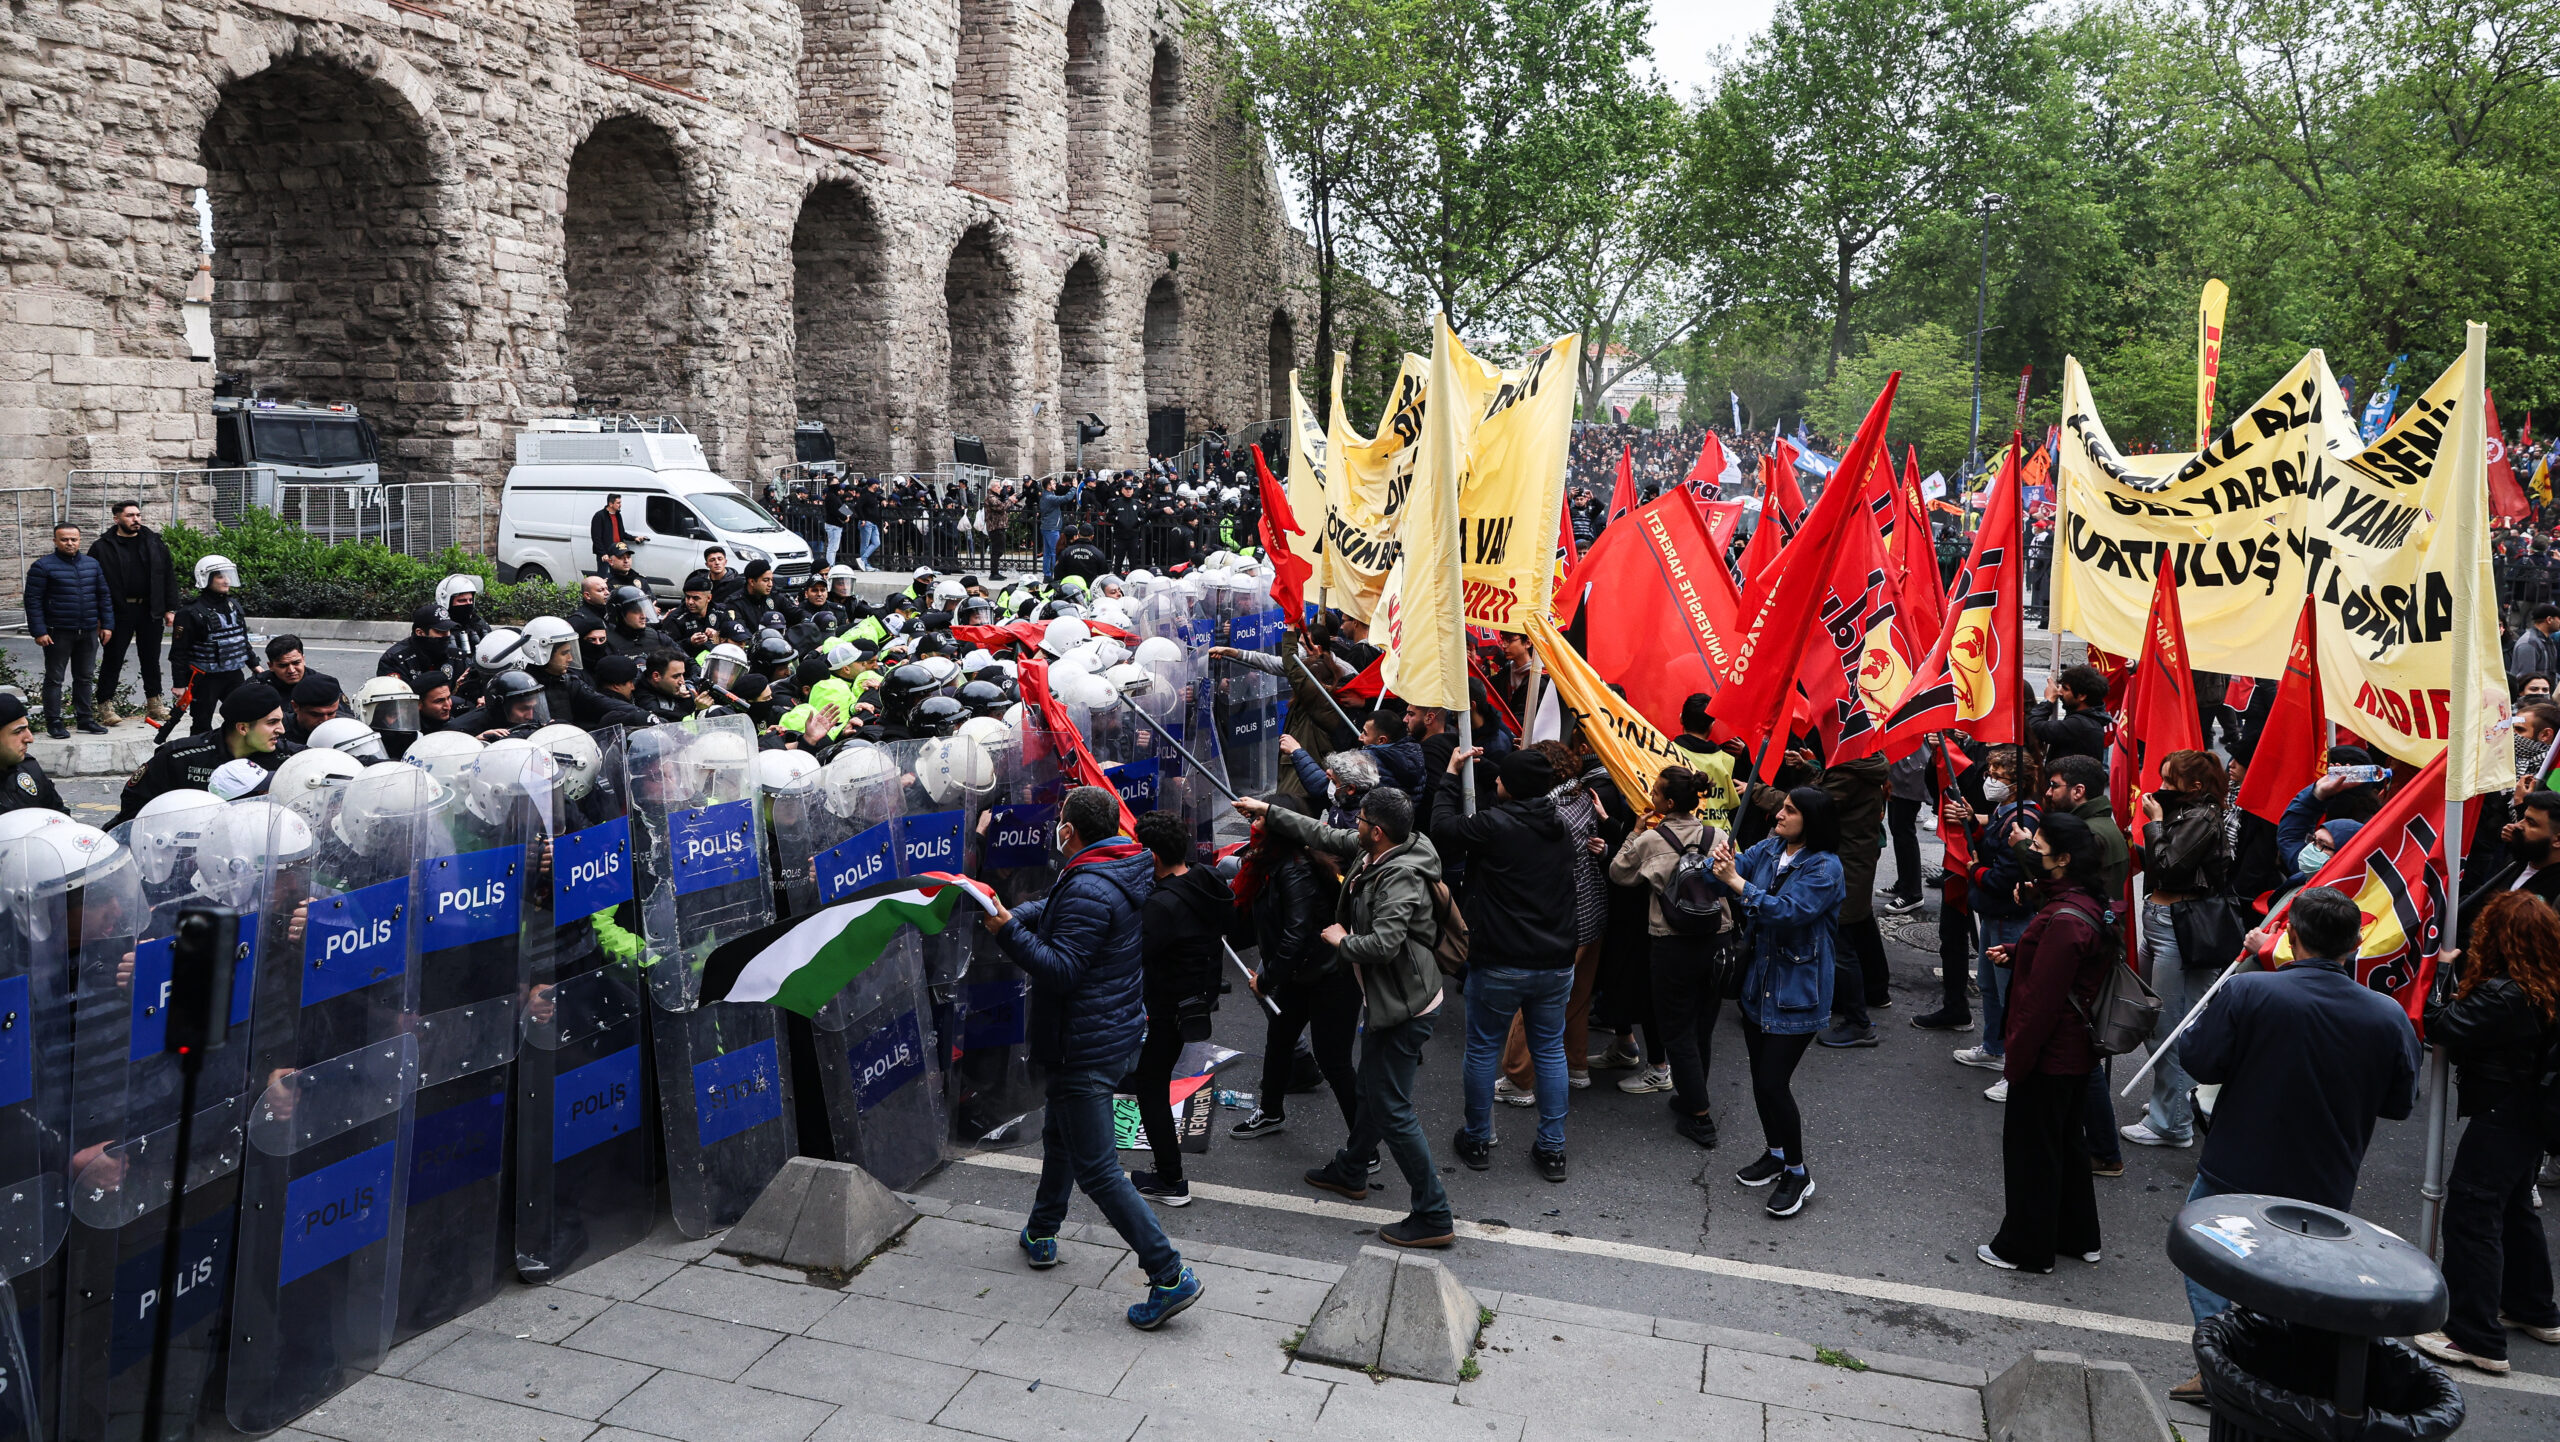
(1694, 902)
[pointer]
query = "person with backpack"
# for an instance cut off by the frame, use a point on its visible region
(2500, 1026)
(1687, 916)
(2056, 968)
(2009, 788)
(1790, 884)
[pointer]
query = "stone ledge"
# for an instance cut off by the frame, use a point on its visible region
(85, 757)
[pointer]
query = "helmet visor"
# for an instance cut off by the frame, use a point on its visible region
(397, 713)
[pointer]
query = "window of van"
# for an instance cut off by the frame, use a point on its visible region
(668, 517)
(731, 514)
(311, 440)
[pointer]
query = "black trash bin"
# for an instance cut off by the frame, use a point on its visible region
(2269, 1379)
(2307, 1353)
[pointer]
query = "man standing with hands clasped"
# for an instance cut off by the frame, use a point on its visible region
(70, 613)
(1082, 945)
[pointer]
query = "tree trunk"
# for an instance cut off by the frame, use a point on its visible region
(1840, 295)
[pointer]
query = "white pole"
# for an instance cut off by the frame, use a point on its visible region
(2439, 1078)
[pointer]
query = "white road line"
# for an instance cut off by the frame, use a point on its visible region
(1872, 1287)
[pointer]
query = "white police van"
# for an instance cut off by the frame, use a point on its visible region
(674, 506)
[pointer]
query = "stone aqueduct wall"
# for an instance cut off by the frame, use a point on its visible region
(906, 217)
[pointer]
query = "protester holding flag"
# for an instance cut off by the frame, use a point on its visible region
(2072, 720)
(1185, 919)
(2185, 863)
(1790, 885)
(1309, 988)
(2498, 1026)
(2011, 789)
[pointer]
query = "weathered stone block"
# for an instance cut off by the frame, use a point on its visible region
(823, 1215)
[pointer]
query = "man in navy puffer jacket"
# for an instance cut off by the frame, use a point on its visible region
(1082, 945)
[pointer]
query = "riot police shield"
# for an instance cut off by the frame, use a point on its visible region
(334, 1067)
(993, 1086)
(128, 1094)
(486, 851)
(35, 1074)
(702, 879)
(942, 782)
(584, 1188)
(1247, 703)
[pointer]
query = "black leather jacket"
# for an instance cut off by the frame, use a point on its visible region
(1294, 904)
(2496, 1037)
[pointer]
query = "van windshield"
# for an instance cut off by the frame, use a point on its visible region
(729, 513)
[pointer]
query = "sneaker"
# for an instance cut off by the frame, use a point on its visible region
(1764, 1169)
(1326, 1179)
(1901, 905)
(1504, 1091)
(1376, 1165)
(58, 733)
(1990, 1258)
(1944, 1021)
(2092, 1258)
(1411, 1233)
(1976, 1056)
(1042, 1252)
(1701, 1130)
(1998, 1091)
(1842, 1035)
(1175, 1192)
(1577, 1080)
(1162, 1302)
(1789, 1199)
(1260, 1124)
(93, 728)
(1477, 1155)
(2101, 1167)
(1651, 1079)
(1616, 1056)
(2549, 1336)
(2141, 1135)
(2445, 1349)
(1549, 1164)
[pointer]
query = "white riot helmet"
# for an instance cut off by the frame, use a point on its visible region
(840, 581)
(947, 594)
(954, 765)
(168, 829)
(501, 650)
(1129, 679)
(48, 864)
(443, 753)
(384, 803)
(216, 565)
(347, 734)
(237, 778)
(575, 753)
(722, 667)
(460, 584)
(1108, 586)
(543, 638)
(507, 769)
(1107, 652)
(786, 773)
(1064, 635)
(977, 661)
(1160, 653)
(858, 772)
(386, 704)
(240, 843)
(942, 668)
(303, 780)
(1114, 612)
(26, 821)
(722, 762)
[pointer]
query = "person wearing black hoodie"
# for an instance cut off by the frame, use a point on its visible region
(1184, 919)
(1519, 903)
(1304, 983)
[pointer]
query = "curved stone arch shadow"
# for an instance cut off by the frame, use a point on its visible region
(981, 344)
(640, 299)
(842, 343)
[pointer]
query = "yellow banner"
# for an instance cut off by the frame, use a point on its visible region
(1425, 642)
(1309, 487)
(1625, 742)
(1368, 479)
(2287, 501)
(2208, 355)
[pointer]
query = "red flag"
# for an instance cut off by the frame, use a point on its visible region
(1062, 738)
(1781, 512)
(1622, 499)
(2292, 750)
(1566, 550)
(1779, 629)
(1368, 684)
(2240, 692)
(2162, 716)
(2394, 868)
(1722, 519)
(2506, 498)
(1951, 831)
(1923, 599)
(1711, 464)
(1664, 560)
(1289, 570)
(1972, 680)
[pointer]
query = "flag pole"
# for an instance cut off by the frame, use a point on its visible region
(2438, 1089)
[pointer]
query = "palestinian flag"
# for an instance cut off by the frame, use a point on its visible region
(800, 965)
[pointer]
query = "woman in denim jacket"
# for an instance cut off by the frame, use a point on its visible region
(1790, 885)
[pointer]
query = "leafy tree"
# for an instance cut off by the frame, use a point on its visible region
(1932, 408)
(1643, 414)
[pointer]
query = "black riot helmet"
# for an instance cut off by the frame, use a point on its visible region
(937, 716)
(984, 698)
(902, 689)
(775, 651)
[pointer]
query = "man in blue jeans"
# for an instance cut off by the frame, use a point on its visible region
(1081, 946)
(1518, 902)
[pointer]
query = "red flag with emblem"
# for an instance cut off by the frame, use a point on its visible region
(2506, 498)
(2394, 868)
(1971, 679)
(1662, 559)
(1923, 597)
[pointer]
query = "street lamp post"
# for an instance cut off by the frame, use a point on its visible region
(1989, 202)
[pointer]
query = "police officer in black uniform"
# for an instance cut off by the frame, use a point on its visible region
(22, 782)
(428, 648)
(252, 729)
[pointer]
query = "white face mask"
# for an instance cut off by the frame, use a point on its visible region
(2311, 857)
(1995, 791)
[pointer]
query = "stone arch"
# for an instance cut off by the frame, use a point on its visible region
(1088, 108)
(328, 185)
(841, 316)
(1084, 353)
(1166, 213)
(981, 355)
(1284, 358)
(981, 86)
(1162, 340)
(632, 258)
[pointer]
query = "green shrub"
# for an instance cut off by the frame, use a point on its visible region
(285, 571)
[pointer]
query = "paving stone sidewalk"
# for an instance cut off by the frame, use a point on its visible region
(946, 1336)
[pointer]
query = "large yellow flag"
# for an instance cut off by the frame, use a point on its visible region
(1425, 640)
(1310, 488)
(1625, 742)
(1370, 477)
(2481, 756)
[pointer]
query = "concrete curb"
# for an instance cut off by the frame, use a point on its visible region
(1400, 1314)
(827, 1216)
(125, 746)
(2058, 1397)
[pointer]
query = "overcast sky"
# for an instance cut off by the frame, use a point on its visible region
(1684, 31)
